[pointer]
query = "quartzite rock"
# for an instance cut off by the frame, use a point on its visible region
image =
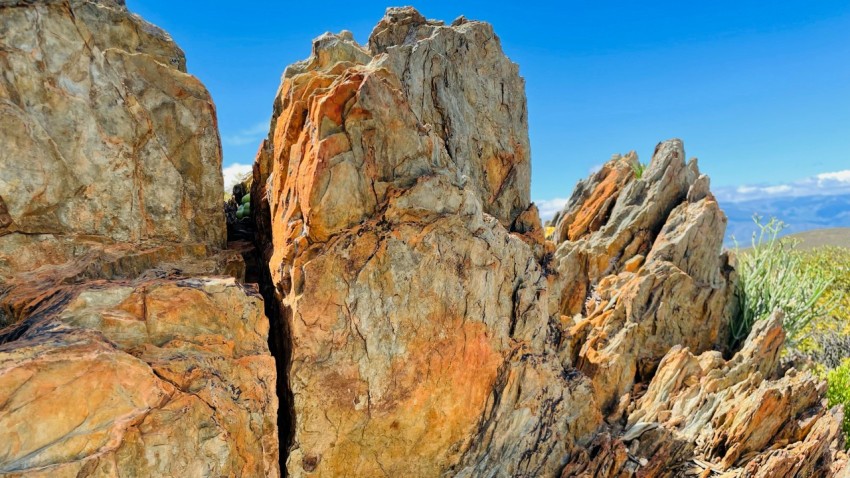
(640, 269)
(426, 326)
(419, 336)
(105, 136)
(702, 414)
(112, 361)
(432, 329)
(156, 377)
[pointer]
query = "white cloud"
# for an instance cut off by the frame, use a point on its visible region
(838, 176)
(549, 207)
(824, 184)
(780, 189)
(248, 135)
(233, 174)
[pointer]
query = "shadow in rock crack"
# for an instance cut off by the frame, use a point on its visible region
(253, 236)
(280, 346)
(280, 335)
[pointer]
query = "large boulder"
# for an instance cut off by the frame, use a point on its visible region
(154, 377)
(420, 344)
(105, 137)
(119, 354)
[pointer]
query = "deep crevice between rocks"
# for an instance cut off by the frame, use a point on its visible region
(249, 236)
(280, 346)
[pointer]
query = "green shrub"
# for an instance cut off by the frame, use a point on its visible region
(838, 393)
(638, 168)
(828, 338)
(772, 276)
(834, 262)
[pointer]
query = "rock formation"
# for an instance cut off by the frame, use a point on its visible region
(96, 110)
(120, 355)
(639, 269)
(148, 378)
(431, 330)
(420, 343)
(421, 323)
(703, 414)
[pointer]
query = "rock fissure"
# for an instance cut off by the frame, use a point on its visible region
(414, 319)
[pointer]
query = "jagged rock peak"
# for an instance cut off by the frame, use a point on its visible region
(393, 177)
(400, 26)
(459, 91)
(645, 295)
(639, 268)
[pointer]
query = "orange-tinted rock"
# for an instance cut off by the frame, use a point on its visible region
(419, 338)
(125, 141)
(432, 328)
(640, 269)
(705, 416)
(590, 205)
(113, 361)
(150, 378)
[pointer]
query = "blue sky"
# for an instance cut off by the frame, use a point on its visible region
(759, 91)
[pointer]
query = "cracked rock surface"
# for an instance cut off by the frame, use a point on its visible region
(434, 332)
(394, 174)
(105, 136)
(147, 378)
(422, 324)
(127, 348)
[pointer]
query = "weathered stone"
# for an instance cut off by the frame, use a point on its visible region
(419, 337)
(112, 361)
(432, 328)
(702, 414)
(152, 378)
(640, 269)
(424, 324)
(105, 136)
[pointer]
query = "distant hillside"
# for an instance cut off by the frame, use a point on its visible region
(802, 214)
(838, 236)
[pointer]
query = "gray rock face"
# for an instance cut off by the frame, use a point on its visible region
(105, 136)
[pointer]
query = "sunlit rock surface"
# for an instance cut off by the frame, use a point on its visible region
(148, 378)
(420, 341)
(119, 355)
(105, 137)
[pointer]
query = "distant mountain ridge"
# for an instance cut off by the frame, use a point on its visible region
(802, 213)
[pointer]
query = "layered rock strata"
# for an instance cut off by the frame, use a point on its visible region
(639, 269)
(706, 416)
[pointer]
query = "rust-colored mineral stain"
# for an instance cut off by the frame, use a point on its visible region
(590, 217)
